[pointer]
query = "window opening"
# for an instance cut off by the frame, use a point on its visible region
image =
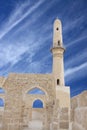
(58, 82)
(37, 104)
(58, 43)
(36, 91)
(57, 28)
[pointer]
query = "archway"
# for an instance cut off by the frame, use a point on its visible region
(37, 104)
(34, 100)
(38, 111)
(36, 91)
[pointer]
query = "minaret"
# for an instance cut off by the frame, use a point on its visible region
(57, 51)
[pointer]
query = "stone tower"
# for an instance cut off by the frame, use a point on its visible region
(58, 50)
(62, 101)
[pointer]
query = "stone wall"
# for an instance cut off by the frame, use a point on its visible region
(18, 104)
(79, 112)
(18, 113)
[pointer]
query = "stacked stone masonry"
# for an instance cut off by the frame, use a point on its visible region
(19, 114)
(79, 112)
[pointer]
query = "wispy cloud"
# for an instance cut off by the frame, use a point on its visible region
(35, 19)
(73, 24)
(79, 57)
(17, 16)
(11, 53)
(76, 41)
(76, 72)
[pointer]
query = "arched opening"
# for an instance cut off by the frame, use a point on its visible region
(37, 104)
(1, 102)
(2, 91)
(36, 91)
(57, 28)
(37, 117)
(36, 109)
(58, 42)
(58, 81)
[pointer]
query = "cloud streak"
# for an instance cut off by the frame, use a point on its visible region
(11, 54)
(76, 72)
(17, 17)
(79, 57)
(76, 41)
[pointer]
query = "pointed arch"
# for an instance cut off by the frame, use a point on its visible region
(26, 90)
(38, 103)
(36, 91)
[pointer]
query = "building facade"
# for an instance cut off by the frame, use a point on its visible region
(19, 113)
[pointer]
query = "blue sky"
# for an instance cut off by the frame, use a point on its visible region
(26, 29)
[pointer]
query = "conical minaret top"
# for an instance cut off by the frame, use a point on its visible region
(57, 34)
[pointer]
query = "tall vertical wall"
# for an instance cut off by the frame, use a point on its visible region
(79, 112)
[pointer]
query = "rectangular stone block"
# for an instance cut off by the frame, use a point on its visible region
(64, 117)
(13, 127)
(55, 126)
(64, 125)
(64, 110)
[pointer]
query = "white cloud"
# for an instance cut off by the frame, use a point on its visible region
(72, 24)
(11, 53)
(76, 41)
(79, 57)
(76, 72)
(17, 17)
(34, 19)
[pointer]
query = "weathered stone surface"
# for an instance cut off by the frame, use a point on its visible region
(79, 111)
(76, 126)
(18, 112)
(64, 125)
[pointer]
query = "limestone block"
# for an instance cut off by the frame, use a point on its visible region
(63, 95)
(81, 116)
(82, 99)
(79, 112)
(55, 126)
(76, 126)
(64, 110)
(72, 115)
(74, 103)
(64, 125)
(64, 117)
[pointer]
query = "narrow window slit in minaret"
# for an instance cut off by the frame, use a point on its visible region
(57, 28)
(58, 43)
(58, 82)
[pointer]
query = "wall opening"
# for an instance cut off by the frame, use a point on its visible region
(57, 28)
(38, 104)
(58, 81)
(1, 102)
(36, 91)
(2, 91)
(58, 43)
